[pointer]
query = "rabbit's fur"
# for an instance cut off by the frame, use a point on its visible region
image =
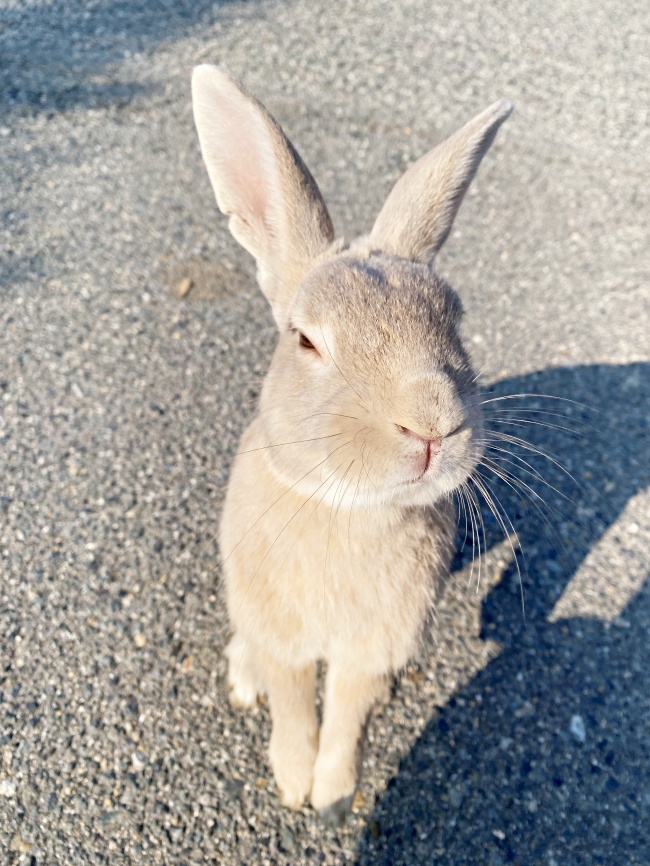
(338, 525)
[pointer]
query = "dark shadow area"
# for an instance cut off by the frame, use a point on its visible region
(544, 757)
(61, 56)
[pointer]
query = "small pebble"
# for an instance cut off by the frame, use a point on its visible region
(140, 640)
(287, 839)
(7, 788)
(138, 760)
(128, 796)
(109, 818)
(455, 797)
(184, 287)
(233, 787)
(358, 802)
(20, 845)
(531, 805)
(577, 728)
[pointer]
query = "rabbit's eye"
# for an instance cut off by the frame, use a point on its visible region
(305, 342)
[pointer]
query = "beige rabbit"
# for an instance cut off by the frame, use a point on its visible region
(338, 525)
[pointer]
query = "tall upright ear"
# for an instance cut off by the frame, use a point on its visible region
(420, 210)
(275, 207)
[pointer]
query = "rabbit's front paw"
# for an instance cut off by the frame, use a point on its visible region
(333, 789)
(244, 688)
(244, 679)
(293, 769)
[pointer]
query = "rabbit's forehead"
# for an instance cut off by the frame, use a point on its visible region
(378, 303)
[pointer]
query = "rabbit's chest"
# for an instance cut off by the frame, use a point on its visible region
(314, 582)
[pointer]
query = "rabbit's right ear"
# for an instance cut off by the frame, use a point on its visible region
(420, 210)
(276, 210)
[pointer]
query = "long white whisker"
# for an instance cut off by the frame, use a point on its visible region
(541, 396)
(469, 516)
(282, 444)
(523, 443)
(339, 369)
(488, 498)
(281, 496)
(531, 495)
(520, 422)
(528, 469)
(291, 519)
(478, 524)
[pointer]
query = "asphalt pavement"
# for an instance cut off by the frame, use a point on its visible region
(134, 341)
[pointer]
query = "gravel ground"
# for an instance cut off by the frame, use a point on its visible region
(510, 740)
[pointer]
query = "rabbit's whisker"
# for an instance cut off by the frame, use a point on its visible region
(532, 496)
(291, 546)
(578, 431)
(275, 502)
(480, 530)
(461, 505)
(283, 444)
(331, 414)
(531, 410)
(311, 514)
(334, 510)
(540, 396)
(578, 422)
(354, 496)
(464, 490)
(462, 495)
(339, 369)
(578, 426)
(363, 451)
(519, 487)
(527, 468)
(291, 519)
(495, 506)
(521, 422)
(476, 537)
(523, 443)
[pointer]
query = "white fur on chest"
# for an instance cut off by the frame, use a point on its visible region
(309, 581)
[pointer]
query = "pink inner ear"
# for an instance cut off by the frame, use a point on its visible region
(241, 154)
(276, 211)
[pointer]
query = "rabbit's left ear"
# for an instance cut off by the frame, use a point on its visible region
(275, 207)
(420, 210)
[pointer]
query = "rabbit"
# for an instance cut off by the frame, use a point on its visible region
(338, 525)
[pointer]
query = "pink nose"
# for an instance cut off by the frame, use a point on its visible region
(433, 445)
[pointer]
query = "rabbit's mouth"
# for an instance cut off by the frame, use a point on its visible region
(440, 467)
(427, 451)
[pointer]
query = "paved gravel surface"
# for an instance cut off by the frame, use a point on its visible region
(121, 405)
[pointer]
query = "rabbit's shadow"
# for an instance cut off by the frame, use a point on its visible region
(505, 772)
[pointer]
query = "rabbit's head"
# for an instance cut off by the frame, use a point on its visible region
(370, 396)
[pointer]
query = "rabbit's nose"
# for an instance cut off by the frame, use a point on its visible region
(433, 445)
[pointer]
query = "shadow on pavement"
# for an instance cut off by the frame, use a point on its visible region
(60, 56)
(544, 756)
